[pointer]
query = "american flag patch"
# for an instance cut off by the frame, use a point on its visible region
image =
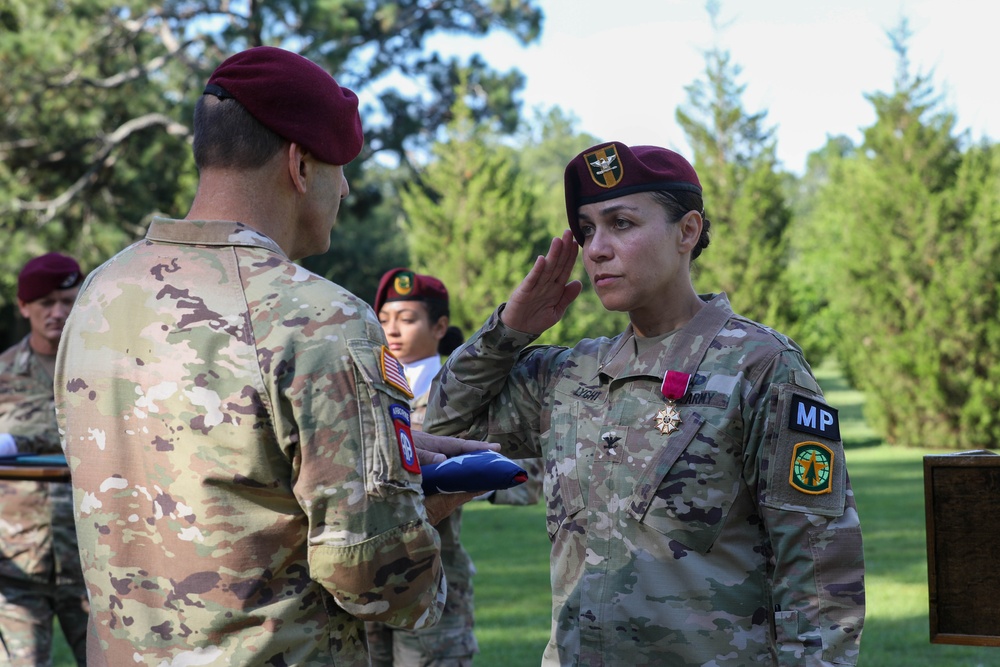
(392, 372)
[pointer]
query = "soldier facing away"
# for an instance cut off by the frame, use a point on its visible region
(246, 484)
(697, 498)
(40, 577)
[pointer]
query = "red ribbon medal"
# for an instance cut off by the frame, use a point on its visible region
(675, 385)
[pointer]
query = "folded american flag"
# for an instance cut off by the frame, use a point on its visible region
(475, 472)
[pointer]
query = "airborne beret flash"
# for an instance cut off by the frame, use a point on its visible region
(404, 285)
(295, 98)
(611, 170)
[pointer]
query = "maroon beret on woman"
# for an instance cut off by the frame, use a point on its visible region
(405, 285)
(295, 98)
(611, 170)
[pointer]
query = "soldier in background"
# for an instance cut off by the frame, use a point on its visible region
(246, 483)
(697, 496)
(40, 577)
(414, 311)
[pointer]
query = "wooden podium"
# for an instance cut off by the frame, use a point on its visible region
(962, 506)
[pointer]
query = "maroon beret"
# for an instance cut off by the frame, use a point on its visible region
(612, 170)
(46, 274)
(405, 285)
(295, 98)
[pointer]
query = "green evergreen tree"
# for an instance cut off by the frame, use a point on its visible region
(470, 219)
(97, 97)
(810, 243)
(734, 155)
(914, 223)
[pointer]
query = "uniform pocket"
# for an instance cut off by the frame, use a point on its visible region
(687, 492)
(563, 468)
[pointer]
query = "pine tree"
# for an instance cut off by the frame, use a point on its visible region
(914, 223)
(734, 155)
(470, 219)
(811, 242)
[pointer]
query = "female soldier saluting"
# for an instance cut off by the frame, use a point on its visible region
(698, 502)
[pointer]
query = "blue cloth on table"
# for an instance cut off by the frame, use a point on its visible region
(474, 472)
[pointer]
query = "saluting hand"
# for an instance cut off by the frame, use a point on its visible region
(543, 296)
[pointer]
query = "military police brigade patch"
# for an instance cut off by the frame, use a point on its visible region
(404, 437)
(392, 372)
(605, 168)
(812, 462)
(812, 468)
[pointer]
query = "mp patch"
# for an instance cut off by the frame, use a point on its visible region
(813, 417)
(812, 468)
(404, 437)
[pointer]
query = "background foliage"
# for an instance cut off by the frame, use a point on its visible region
(881, 256)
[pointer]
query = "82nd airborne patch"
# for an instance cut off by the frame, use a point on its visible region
(404, 437)
(812, 468)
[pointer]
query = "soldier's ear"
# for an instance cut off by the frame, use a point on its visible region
(298, 167)
(690, 231)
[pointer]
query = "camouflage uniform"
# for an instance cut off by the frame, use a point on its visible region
(691, 548)
(243, 495)
(452, 642)
(40, 575)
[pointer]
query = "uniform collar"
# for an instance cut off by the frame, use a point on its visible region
(209, 232)
(681, 352)
(22, 357)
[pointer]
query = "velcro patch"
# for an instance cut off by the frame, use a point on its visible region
(813, 417)
(404, 438)
(392, 372)
(812, 468)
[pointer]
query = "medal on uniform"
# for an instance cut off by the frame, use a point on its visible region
(675, 385)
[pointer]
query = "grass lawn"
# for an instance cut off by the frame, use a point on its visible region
(510, 549)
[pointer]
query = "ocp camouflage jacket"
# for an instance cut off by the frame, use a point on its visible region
(237, 447)
(731, 541)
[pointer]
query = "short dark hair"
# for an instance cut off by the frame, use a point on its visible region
(227, 136)
(678, 203)
(453, 336)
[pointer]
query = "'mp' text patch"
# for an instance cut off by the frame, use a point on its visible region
(809, 416)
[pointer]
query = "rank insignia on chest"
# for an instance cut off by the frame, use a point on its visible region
(812, 468)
